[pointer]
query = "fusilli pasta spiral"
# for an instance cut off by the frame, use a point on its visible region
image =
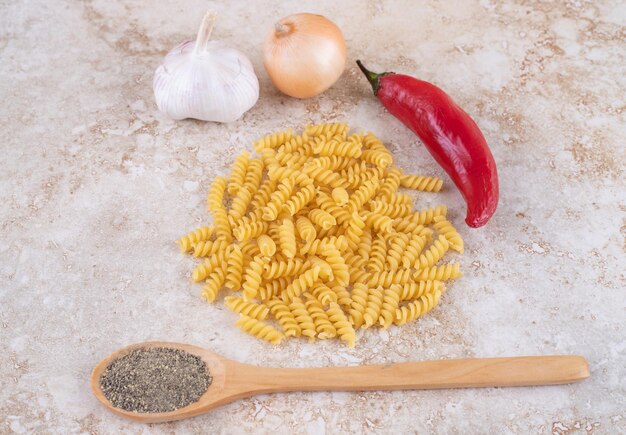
(281, 312)
(287, 237)
(304, 320)
(234, 273)
(344, 329)
(238, 172)
(198, 235)
(259, 329)
(419, 182)
(249, 309)
(417, 308)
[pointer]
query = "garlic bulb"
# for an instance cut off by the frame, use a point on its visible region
(205, 80)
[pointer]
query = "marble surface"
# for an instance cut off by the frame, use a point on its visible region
(95, 185)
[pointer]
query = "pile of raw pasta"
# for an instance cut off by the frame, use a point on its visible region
(320, 240)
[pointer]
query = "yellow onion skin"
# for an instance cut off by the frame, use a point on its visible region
(304, 54)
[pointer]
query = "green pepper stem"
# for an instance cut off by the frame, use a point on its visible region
(372, 77)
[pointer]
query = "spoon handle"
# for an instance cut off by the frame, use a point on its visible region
(460, 373)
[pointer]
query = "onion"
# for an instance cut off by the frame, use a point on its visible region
(304, 54)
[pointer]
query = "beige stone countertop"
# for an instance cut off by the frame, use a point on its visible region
(96, 184)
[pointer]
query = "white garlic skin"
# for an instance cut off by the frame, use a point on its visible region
(217, 84)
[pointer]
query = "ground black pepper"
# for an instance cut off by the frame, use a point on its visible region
(155, 379)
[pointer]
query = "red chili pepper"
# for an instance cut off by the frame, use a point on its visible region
(451, 136)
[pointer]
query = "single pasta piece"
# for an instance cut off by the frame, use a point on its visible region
(305, 321)
(378, 255)
(234, 269)
(333, 163)
(337, 263)
(358, 269)
(414, 290)
(287, 237)
(336, 147)
(268, 157)
(356, 226)
(378, 222)
(262, 195)
(434, 253)
(274, 232)
(249, 230)
(365, 244)
(278, 173)
(336, 231)
(201, 271)
(293, 160)
(419, 182)
(358, 304)
(340, 195)
(400, 198)
(326, 271)
(273, 140)
(442, 273)
(363, 194)
(422, 217)
(290, 267)
(391, 301)
(252, 278)
(322, 219)
(391, 183)
(339, 128)
(344, 329)
(391, 210)
(207, 247)
(238, 173)
(297, 143)
(373, 307)
(240, 204)
(214, 282)
(285, 318)
(397, 246)
(259, 329)
(323, 326)
(413, 250)
(300, 199)
(250, 250)
(304, 281)
(254, 173)
(444, 227)
(343, 296)
(278, 199)
(215, 204)
(380, 158)
(323, 293)
(267, 246)
(306, 230)
(249, 309)
(418, 307)
(289, 158)
(272, 289)
(198, 235)
(371, 142)
(324, 176)
(316, 247)
(328, 204)
(358, 175)
(389, 277)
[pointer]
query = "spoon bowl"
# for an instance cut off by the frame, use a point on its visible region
(233, 380)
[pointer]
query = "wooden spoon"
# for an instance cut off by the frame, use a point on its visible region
(233, 380)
